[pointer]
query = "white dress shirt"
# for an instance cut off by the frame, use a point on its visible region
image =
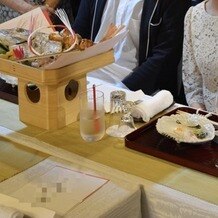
(127, 13)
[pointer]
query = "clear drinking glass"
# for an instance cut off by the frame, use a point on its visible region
(92, 115)
(127, 124)
(117, 98)
(121, 111)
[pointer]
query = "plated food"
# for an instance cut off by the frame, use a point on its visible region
(45, 45)
(187, 128)
(18, 44)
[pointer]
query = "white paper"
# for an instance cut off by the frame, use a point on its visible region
(59, 190)
(26, 208)
(69, 58)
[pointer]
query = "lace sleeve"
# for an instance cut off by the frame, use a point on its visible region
(192, 78)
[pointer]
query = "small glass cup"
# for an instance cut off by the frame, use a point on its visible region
(126, 119)
(121, 109)
(117, 98)
(92, 115)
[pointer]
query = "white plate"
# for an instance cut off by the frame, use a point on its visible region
(188, 128)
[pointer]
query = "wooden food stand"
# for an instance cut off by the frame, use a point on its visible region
(54, 103)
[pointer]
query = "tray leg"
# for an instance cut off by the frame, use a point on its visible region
(49, 106)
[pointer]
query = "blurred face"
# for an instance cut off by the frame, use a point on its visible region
(211, 7)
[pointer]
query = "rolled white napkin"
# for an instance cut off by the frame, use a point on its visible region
(8, 212)
(149, 108)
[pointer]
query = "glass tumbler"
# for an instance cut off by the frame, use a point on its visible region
(117, 98)
(92, 115)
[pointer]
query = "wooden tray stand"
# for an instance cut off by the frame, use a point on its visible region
(52, 102)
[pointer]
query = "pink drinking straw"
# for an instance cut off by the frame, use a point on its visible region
(94, 97)
(96, 122)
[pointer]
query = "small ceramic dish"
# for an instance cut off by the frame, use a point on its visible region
(188, 128)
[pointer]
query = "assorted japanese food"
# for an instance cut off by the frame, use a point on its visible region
(185, 127)
(14, 44)
(36, 47)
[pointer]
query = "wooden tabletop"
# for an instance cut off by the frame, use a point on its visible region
(112, 152)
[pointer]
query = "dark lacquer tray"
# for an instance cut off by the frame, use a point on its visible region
(8, 93)
(202, 157)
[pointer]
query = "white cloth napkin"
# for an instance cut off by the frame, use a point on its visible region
(107, 88)
(149, 108)
(8, 212)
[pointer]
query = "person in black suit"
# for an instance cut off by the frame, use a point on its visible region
(155, 33)
(195, 2)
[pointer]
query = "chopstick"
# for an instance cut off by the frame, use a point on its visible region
(211, 121)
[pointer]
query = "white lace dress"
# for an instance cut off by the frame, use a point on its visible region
(200, 57)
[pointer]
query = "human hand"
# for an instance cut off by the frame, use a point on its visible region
(47, 8)
(198, 106)
(51, 3)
